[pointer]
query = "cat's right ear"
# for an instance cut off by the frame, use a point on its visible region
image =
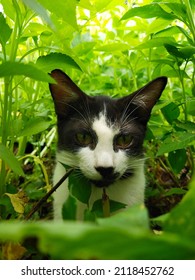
(64, 92)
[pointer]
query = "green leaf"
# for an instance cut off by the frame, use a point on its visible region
(171, 112)
(9, 158)
(172, 50)
(192, 3)
(113, 47)
(102, 5)
(174, 191)
(178, 10)
(8, 8)
(80, 187)
(5, 30)
(177, 160)
(191, 106)
(55, 61)
(158, 28)
(114, 238)
(175, 141)
(170, 31)
(97, 207)
(34, 126)
(182, 216)
(156, 42)
(28, 70)
(134, 219)
(188, 126)
(69, 209)
(187, 52)
(34, 29)
(65, 10)
(148, 11)
(39, 10)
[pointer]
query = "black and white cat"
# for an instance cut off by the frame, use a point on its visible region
(103, 138)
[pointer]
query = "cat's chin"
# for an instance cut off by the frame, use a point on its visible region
(102, 183)
(106, 182)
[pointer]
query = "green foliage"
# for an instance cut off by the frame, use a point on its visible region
(10, 160)
(112, 48)
(124, 236)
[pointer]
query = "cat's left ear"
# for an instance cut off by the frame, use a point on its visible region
(65, 91)
(146, 97)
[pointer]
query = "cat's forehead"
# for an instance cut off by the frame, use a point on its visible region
(103, 107)
(102, 124)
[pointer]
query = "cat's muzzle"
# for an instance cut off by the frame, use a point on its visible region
(108, 177)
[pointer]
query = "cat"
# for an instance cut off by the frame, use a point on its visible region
(103, 139)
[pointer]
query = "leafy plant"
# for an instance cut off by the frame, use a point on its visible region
(107, 47)
(130, 231)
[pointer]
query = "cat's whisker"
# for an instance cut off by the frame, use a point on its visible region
(87, 111)
(126, 117)
(125, 125)
(87, 121)
(129, 104)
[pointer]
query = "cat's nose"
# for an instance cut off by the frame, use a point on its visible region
(105, 171)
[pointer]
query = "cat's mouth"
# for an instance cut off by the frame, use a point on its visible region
(103, 182)
(109, 180)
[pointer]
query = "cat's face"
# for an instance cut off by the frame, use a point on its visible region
(100, 136)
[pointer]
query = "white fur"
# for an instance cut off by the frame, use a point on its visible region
(129, 191)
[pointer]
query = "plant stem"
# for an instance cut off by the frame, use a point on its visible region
(43, 199)
(5, 127)
(191, 24)
(105, 204)
(7, 99)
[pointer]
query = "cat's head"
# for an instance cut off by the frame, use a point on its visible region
(101, 136)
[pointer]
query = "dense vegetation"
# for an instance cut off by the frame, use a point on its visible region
(107, 47)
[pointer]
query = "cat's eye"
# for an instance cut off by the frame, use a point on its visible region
(123, 141)
(84, 138)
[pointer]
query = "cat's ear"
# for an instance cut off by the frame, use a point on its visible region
(64, 91)
(146, 97)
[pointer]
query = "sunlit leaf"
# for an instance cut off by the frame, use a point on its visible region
(18, 201)
(156, 42)
(27, 70)
(8, 8)
(56, 61)
(39, 10)
(5, 35)
(188, 51)
(113, 47)
(65, 10)
(148, 11)
(177, 9)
